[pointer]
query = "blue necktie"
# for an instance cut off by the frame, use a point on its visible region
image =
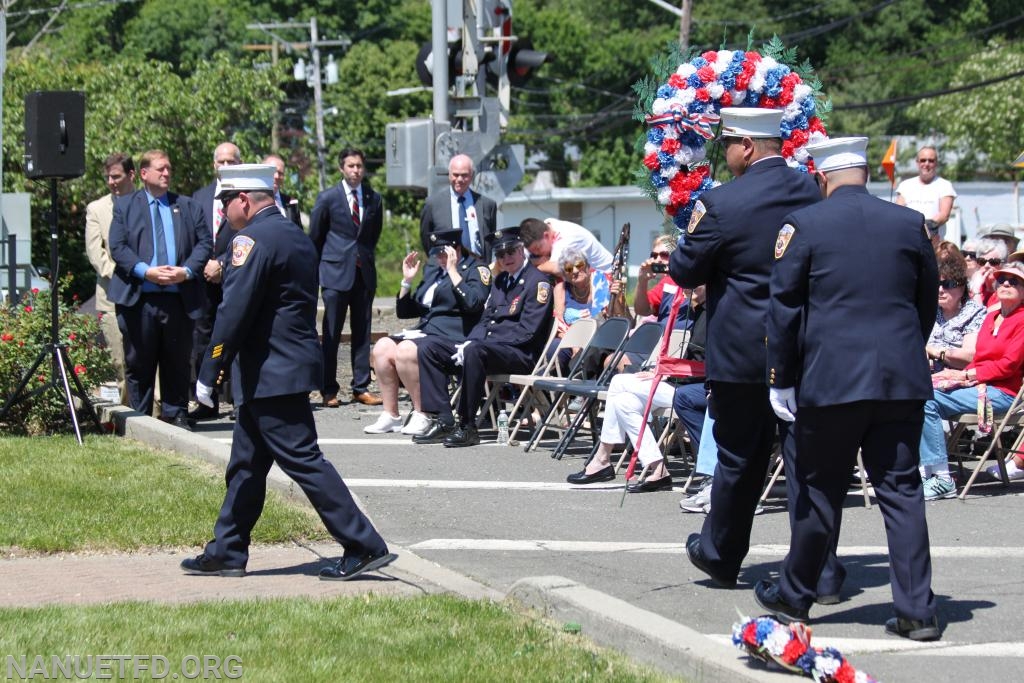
(161, 239)
(467, 240)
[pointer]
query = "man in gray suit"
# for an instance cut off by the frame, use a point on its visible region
(460, 208)
(119, 170)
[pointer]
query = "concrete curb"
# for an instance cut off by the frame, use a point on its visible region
(643, 635)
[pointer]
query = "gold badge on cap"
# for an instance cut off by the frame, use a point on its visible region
(543, 292)
(782, 241)
(698, 213)
(240, 248)
(485, 275)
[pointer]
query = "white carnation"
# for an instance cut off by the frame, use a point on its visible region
(665, 196)
(686, 70)
(716, 90)
(660, 106)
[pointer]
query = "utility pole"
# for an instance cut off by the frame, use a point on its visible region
(685, 18)
(313, 45)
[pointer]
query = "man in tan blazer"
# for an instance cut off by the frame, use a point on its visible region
(120, 174)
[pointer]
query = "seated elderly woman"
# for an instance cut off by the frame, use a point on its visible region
(994, 373)
(448, 303)
(991, 253)
(951, 344)
(582, 293)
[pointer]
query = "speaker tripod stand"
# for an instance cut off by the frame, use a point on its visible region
(62, 371)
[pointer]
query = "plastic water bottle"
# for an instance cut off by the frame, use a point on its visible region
(502, 428)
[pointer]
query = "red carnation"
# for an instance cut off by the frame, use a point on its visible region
(750, 634)
(811, 167)
(787, 148)
(726, 99)
(651, 161)
(678, 181)
(702, 95)
(799, 137)
(710, 55)
(670, 145)
(35, 290)
(677, 81)
(28, 309)
(793, 651)
(753, 57)
(672, 210)
(815, 125)
(79, 369)
(706, 74)
(681, 198)
(769, 103)
(845, 673)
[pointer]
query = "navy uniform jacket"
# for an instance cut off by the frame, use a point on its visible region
(437, 216)
(454, 310)
(222, 243)
(729, 248)
(852, 302)
(267, 321)
(131, 242)
(340, 245)
(520, 317)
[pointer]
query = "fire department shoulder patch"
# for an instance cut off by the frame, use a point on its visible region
(485, 275)
(782, 241)
(240, 248)
(698, 213)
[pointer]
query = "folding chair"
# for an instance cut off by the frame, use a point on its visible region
(779, 465)
(610, 336)
(1014, 417)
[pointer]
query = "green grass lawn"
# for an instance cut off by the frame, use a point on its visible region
(114, 494)
(431, 638)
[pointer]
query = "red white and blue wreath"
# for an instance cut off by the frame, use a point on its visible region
(681, 110)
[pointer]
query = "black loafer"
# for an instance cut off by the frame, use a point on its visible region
(767, 595)
(462, 437)
(914, 629)
(436, 434)
(648, 485)
(828, 599)
(204, 565)
(581, 477)
(181, 420)
(696, 556)
(350, 566)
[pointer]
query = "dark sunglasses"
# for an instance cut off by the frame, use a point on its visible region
(507, 251)
(951, 284)
(228, 198)
(927, 161)
(1008, 280)
(573, 267)
(661, 254)
(990, 261)
(973, 255)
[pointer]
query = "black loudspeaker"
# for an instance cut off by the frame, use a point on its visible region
(55, 134)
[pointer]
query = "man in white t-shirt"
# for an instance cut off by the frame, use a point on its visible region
(547, 240)
(928, 194)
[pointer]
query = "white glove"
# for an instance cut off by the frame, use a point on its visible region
(459, 352)
(783, 403)
(204, 394)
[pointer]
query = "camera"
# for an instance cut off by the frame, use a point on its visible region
(659, 267)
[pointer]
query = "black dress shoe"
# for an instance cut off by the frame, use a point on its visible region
(437, 433)
(462, 437)
(234, 413)
(914, 629)
(648, 485)
(204, 565)
(204, 413)
(581, 477)
(350, 566)
(181, 420)
(767, 595)
(828, 599)
(696, 556)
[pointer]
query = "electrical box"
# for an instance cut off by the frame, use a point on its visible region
(409, 153)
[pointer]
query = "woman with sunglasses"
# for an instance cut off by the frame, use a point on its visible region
(991, 254)
(952, 341)
(581, 293)
(998, 365)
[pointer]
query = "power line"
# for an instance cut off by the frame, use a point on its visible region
(927, 95)
(80, 5)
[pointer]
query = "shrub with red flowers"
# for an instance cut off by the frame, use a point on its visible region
(24, 333)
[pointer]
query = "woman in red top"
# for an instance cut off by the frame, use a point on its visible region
(998, 367)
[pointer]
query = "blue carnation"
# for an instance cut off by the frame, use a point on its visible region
(728, 79)
(658, 180)
(681, 220)
(694, 81)
(698, 62)
(666, 91)
(753, 99)
(691, 140)
(764, 629)
(656, 135)
(773, 80)
(666, 159)
(808, 107)
(806, 660)
(786, 129)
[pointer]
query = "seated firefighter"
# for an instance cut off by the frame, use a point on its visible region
(509, 339)
(448, 303)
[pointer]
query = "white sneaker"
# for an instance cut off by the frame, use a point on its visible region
(385, 424)
(417, 425)
(700, 501)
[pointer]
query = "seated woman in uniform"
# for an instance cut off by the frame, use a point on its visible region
(998, 365)
(448, 303)
(951, 344)
(582, 293)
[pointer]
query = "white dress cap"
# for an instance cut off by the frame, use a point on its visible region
(751, 122)
(245, 178)
(839, 153)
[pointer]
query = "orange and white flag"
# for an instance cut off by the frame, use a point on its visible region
(1019, 161)
(889, 162)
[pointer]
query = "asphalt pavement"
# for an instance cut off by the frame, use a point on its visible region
(506, 520)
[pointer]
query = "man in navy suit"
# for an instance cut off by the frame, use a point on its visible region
(286, 204)
(266, 334)
(728, 246)
(225, 154)
(345, 226)
(160, 244)
(852, 304)
(460, 208)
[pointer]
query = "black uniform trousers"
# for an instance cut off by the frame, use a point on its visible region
(745, 427)
(359, 302)
(156, 333)
(203, 331)
(280, 429)
(888, 433)
(480, 358)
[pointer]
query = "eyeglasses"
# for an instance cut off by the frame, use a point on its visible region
(227, 199)
(1009, 280)
(951, 284)
(990, 261)
(579, 266)
(664, 255)
(973, 255)
(927, 161)
(502, 252)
